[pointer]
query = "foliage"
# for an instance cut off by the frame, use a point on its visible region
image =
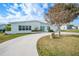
(36, 30)
(2, 30)
(62, 13)
(49, 30)
(8, 27)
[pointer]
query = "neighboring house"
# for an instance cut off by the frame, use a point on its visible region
(75, 27)
(27, 27)
(69, 27)
(64, 27)
(2, 27)
(78, 27)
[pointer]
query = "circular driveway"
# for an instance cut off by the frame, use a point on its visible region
(21, 46)
(24, 45)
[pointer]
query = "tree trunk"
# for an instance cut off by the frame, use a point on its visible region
(59, 31)
(52, 35)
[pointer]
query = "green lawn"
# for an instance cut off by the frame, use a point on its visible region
(5, 37)
(77, 31)
(63, 46)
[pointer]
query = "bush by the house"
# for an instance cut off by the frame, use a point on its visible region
(49, 30)
(8, 27)
(2, 30)
(36, 30)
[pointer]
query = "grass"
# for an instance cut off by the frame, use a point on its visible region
(4, 37)
(77, 31)
(64, 46)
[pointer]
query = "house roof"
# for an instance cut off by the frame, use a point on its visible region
(28, 21)
(2, 24)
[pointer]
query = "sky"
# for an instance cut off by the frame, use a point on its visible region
(10, 12)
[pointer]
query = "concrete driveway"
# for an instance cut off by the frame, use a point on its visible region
(21, 46)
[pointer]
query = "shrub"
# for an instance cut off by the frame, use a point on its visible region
(2, 30)
(35, 30)
(8, 27)
(49, 30)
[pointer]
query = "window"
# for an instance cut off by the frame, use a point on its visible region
(24, 27)
(42, 28)
(29, 27)
(20, 28)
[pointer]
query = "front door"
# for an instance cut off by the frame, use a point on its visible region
(42, 28)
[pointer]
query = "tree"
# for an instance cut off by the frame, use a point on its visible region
(61, 14)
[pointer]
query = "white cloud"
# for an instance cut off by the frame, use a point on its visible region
(36, 9)
(15, 5)
(45, 5)
(4, 5)
(3, 19)
(28, 8)
(12, 18)
(12, 10)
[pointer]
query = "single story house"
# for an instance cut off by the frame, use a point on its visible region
(35, 26)
(27, 27)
